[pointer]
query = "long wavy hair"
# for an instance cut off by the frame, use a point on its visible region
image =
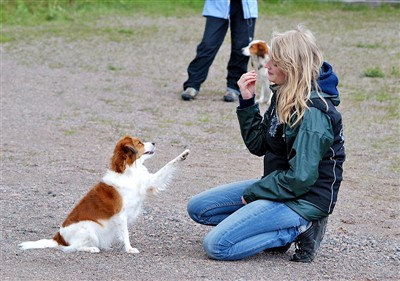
(296, 53)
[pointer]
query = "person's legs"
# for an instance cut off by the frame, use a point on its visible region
(214, 205)
(214, 34)
(257, 226)
(242, 32)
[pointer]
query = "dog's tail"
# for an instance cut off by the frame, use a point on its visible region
(40, 244)
(55, 242)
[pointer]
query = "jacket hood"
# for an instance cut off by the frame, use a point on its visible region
(328, 80)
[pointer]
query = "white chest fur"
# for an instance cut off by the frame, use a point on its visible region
(132, 185)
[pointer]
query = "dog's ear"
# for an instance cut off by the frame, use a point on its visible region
(130, 149)
(124, 154)
(262, 50)
(131, 154)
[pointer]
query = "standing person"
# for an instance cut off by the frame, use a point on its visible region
(240, 16)
(301, 139)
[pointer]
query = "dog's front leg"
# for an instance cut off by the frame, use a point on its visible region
(267, 94)
(124, 234)
(180, 157)
(161, 179)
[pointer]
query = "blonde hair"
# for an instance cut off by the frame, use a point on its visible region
(296, 53)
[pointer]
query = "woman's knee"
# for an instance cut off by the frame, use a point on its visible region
(212, 249)
(193, 209)
(216, 248)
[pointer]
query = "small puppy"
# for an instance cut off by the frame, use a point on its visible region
(105, 212)
(258, 51)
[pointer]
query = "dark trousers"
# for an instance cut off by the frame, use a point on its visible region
(242, 32)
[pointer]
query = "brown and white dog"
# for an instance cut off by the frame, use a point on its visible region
(105, 212)
(258, 51)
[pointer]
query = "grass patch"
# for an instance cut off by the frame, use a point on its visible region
(114, 68)
(5, 38)
(359, 96)
(374, 72)
(367, 46)
(205, 119)
(395, 71)
(384, 96)
(393, 111)
(287, 7)
(126, 31)
(77, 19)
(28, 13)
(69, 132)
(387, 97)
(105, 121)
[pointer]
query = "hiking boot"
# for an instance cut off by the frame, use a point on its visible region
(189, 94)
(281, 249)
(231, 95)
(308, 242)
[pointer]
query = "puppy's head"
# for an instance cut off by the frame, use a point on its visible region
(257, 48)
(128, 150)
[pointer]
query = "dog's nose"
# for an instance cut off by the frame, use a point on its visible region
(153, 143)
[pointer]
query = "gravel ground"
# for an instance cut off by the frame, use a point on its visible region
(68, 96)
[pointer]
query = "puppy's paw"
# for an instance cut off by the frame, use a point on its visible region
(131, 250)
(184, 155)
(92, 250)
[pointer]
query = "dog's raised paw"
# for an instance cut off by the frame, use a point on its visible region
(184, 154)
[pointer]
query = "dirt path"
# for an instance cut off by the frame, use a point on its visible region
(66, 99)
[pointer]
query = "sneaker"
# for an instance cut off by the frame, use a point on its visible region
(231, 95)
(189, 94)
(308, 242)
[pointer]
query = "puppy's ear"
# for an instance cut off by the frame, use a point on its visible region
(262, 50)
(130, 149)
(131, 154)
(124, 154)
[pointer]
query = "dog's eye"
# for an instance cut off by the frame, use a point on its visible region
(138, 143)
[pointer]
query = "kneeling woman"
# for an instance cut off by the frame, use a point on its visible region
(301, 139)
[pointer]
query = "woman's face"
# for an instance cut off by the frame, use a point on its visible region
(275, 74)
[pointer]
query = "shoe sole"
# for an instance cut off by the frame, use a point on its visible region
(187, 97)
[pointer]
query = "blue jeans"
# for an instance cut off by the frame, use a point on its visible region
(242, 230)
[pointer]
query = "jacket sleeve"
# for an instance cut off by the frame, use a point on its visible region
(311, 141)
(252, 129)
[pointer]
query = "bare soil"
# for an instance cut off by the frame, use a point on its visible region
(68, 96)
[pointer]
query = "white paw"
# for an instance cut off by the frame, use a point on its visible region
(89, 249)
(184, 155)
(94, 250)
(131, 250)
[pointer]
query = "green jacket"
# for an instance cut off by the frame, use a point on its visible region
(310, 180)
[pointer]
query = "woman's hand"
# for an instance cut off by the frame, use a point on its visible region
(247, 84)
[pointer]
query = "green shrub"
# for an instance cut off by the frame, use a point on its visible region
(374, 72)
